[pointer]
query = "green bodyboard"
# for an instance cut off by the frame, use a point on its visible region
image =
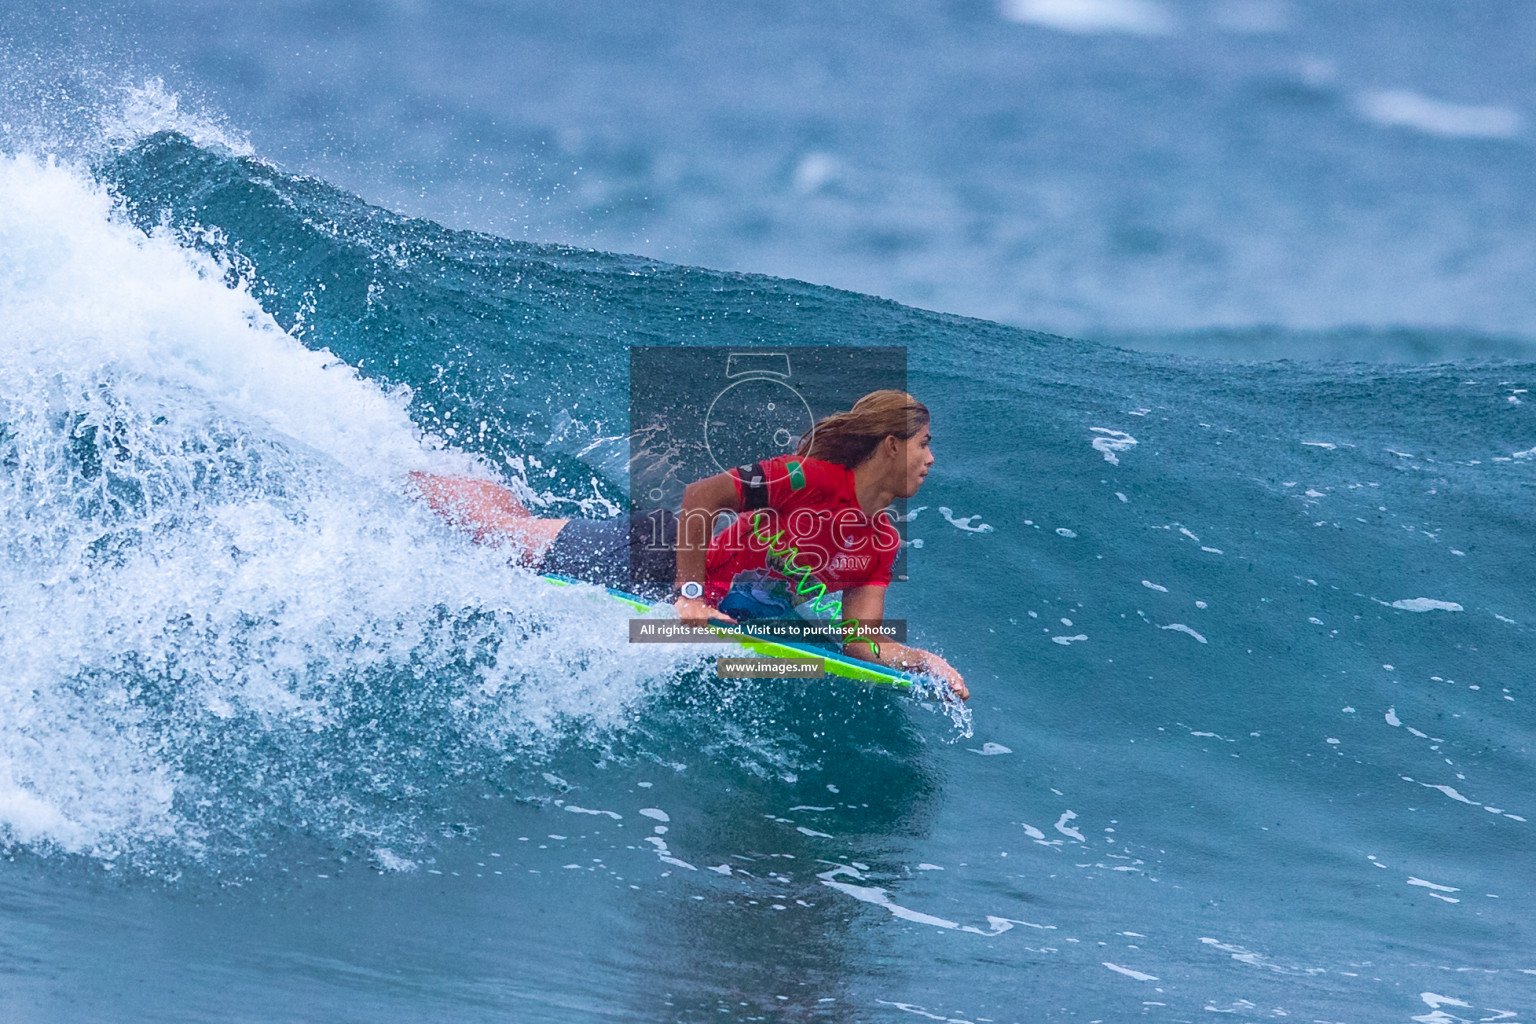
(836, 664)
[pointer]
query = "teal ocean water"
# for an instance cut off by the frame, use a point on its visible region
(1249, 642)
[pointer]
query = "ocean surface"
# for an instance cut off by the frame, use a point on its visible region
(1245, 599)
(1184, 175)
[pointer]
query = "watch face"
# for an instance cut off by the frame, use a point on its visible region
(692, 589)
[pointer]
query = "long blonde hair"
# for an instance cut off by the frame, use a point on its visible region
(848, 438)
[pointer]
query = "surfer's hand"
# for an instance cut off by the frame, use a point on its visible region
(945, 671)
(697, 612)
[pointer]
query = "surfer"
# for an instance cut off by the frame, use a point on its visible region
(808, 525)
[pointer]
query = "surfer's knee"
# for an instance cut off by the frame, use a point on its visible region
(467, 499)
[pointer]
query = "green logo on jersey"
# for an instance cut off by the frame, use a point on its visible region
(796, 475)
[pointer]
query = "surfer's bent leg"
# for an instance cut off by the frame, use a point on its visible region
(633, 553)
(491, 513)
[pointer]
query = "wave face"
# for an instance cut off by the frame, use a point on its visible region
(1250, 650)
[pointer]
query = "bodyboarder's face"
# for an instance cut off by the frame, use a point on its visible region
(917, 457)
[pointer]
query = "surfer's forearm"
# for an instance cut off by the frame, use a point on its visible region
(703, 500)
(909, 659)
(692, 550)
(889, 653)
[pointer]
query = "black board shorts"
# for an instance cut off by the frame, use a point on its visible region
(636, 553)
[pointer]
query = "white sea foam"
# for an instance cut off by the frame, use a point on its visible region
(209, 531)
(919, 1011)
(1451, 792)
(1426, 604)
(964, 522)
(1110, 443)
(990, 749)
(665, 855)
(391, 861)
(1129, 973)
(1136, 17)
(1406, 109)
(880, 898)
(1180, 627)
(1068, 830)
(615, 815)
(1247, 956)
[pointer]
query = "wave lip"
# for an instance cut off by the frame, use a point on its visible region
(1402, 108)
(1091, 17)
(151, 108)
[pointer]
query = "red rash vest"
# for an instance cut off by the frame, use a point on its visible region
(813, 521)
